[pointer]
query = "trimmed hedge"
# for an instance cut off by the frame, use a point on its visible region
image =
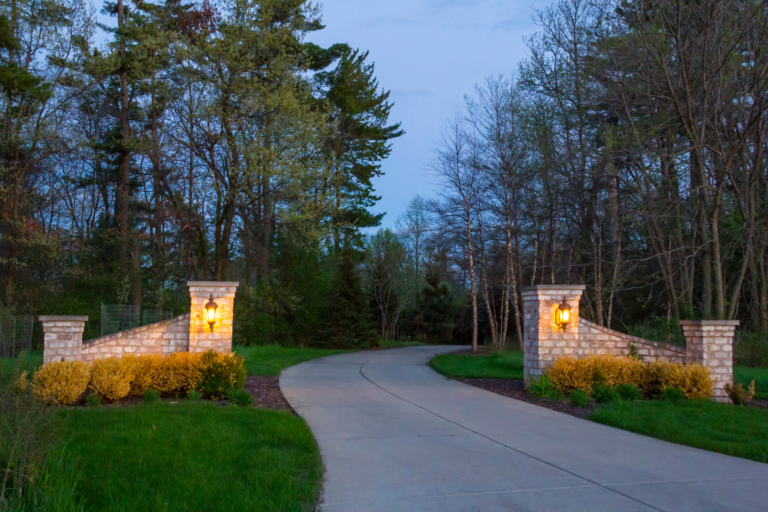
(569, 373)
(113, 379)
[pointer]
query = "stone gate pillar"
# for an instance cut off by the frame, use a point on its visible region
(543, 340)
(62, 337)
(201, 339)
(710, 343)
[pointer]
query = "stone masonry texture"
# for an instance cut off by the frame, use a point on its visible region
(63, 335)
(710, 343)
(543, 340)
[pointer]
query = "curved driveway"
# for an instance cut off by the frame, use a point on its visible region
(396, 436)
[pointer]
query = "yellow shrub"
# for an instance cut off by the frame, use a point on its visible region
(145, 370)
(62, 382)
(569, 373)
(221, 373)
(111, 378)
(695, 380)
(178, 373)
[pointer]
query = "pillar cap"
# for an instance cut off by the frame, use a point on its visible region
(555, 287)
(709, 322)
(62, 318)
(213, 284)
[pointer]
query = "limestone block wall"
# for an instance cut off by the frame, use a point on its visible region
(710, 343)
(62, 337)
(201, 339)
(63, 340)
(595, 339)
(158, 338)
(543, 340)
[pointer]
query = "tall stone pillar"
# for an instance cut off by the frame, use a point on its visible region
(710, 343)
(543, 340)
(62, 337)
(201, 339)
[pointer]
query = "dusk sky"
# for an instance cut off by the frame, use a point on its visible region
(429, 53)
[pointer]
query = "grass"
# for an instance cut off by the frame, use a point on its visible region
(745, 375)
(192, 456)
(723, 428)
(496, 365)
(272, 359)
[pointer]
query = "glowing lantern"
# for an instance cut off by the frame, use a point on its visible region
(210, 312)
(563, 315)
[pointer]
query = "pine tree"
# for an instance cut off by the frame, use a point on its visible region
(345, 319)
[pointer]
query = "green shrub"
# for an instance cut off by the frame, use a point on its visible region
(674, 394)
(603, 394)
(220, 373)
(554, 395)
(240, 397)
(151, 396)
(542, 386)
(628, 392)
(194, 396)
(579, 398)
(93, 400)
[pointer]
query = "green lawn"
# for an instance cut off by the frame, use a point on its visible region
(723, 428)
(272, 359)
(192, 456)
(496, 365)
(745, 375)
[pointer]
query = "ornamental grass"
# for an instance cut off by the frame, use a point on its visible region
(569, 373)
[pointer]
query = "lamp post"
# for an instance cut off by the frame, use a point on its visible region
(210, 312)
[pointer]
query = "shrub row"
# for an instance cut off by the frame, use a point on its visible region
(569, 373)
(213, 374)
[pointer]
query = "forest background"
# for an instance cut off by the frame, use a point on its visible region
(211, 141)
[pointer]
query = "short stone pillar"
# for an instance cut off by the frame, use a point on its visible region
(710, 344)
(543, 340)
(201, 339)
(62, 337)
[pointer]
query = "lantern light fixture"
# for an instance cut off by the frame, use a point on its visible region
(210, 312)
(563, 315)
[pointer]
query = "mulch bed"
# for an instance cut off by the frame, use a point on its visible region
(266, 392)
(515, 389)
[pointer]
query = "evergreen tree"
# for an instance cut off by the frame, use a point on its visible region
(360, 143)
(345, 319)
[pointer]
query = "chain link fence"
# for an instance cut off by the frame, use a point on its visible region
(15, 333)
(118, 318)
(152, 316)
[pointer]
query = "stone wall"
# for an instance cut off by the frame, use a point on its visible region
(159, 338)
(594, 339)
(710, 343)
(62, 337)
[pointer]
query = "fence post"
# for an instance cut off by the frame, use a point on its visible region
(201, 339)
(62, 337)
(543, 340)
(710, 344)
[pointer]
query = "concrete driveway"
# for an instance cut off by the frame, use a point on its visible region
(396, 436)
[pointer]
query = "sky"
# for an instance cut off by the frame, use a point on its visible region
(429, 54)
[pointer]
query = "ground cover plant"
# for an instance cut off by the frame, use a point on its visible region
(192, 456)
(506, 364)
(723, 428)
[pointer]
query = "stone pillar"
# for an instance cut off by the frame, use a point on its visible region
(543, 340)
(710, 343)
(201, 339)
(62, 337)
